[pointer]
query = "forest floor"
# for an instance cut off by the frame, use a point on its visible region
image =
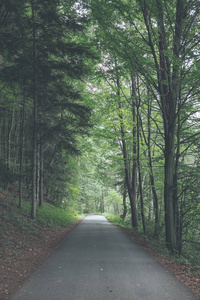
(23, 256)
(16, 265)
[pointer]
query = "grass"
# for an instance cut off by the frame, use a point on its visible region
(16, 224)
(51, 216)
(119, 221)
(56, 217)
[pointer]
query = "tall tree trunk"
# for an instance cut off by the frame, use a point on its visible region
(4, 171)
(134, 135)
(178, 216)
(41, 176)
(139, 172)
(131, 183)
(138, 125)
(170, 225)
(34, 159)
(103, 207)
(168, 86)
(10, 127)
(38, 159)
(123, 216)
(152, 180)
(170, 101)
(21, 146)
(10, 123)
(131, 191)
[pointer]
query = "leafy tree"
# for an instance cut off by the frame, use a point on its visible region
(158, 41)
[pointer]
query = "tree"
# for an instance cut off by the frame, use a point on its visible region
(51, 86)
(164, 34)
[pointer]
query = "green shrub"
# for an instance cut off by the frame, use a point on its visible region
(117, 220)
(56, 217)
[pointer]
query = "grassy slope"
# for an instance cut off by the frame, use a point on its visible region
(15, 222)
(24, 243)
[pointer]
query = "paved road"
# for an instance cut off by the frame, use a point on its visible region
(97, 261)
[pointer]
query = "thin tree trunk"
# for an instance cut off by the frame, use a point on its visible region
(34, 159)
(139, 172)
(123, 216)
(176, 209)
(4, 171)
(38, 170)
(41, 182)
(152, 180)
(8, 149)
(134, 167)
(103, 208)
(131, 184)
(10, 127)
(21, 149)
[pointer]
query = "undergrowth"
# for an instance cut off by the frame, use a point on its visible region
(189, 258)
(16, 224)
(52, 216)
(117, 220)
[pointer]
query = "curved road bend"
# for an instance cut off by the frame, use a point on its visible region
(98, 261)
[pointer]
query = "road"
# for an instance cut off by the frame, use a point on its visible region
(98, 261)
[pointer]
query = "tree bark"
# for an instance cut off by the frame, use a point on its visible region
(34, 158)
(170, 225)
(140, 176)
(103, 207)
(168, 86)
(131, 183)
(123, 216)
(138, 163)
(152, 180)
(21, 149)
(171, 101)
(41, 176)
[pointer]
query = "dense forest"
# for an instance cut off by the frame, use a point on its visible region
(100, 111)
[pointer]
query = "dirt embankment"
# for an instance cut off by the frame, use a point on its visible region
(21, 257)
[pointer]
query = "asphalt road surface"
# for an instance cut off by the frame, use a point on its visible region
(98, 261)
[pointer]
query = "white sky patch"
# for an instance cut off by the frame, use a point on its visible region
(80, 10)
